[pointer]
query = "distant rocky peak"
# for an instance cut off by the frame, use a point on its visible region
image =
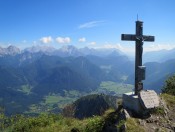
(114, 53)
(35, 49)
(13, 49)
(68, 48)
(10, 50)
(88, 51)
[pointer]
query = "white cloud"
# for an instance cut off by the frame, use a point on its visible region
(91, 24)
(46, 40)
(92, 43)
(82, 39)
(63, 40)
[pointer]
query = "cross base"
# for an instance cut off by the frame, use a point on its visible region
(142, 103)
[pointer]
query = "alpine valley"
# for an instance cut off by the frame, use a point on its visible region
(44, 79)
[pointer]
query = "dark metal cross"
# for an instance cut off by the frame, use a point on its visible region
(139, 38)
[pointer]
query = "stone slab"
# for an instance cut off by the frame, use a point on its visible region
(148, 99)
(131, 102)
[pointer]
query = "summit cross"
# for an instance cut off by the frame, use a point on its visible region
(139, 39)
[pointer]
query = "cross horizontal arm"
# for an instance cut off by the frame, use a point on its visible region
(128, 37)
(131, 37)
(148, 38)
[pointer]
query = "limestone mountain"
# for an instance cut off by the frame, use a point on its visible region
(11, 78)
(90, 105)
(11, 50)
(156, 74)
(41, 75)
(68, 50)
(115, 66)
(53, 74)
(159, 56)
(43, 49)
(37, 73)
(101, 52)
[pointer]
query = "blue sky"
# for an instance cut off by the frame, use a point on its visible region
(92, 23)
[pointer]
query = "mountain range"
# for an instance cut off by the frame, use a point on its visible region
(11, 50)
(64, 51)
(31, 75)
(159, 56)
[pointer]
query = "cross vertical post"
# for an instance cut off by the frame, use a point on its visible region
(138, 56)
(139, 38)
